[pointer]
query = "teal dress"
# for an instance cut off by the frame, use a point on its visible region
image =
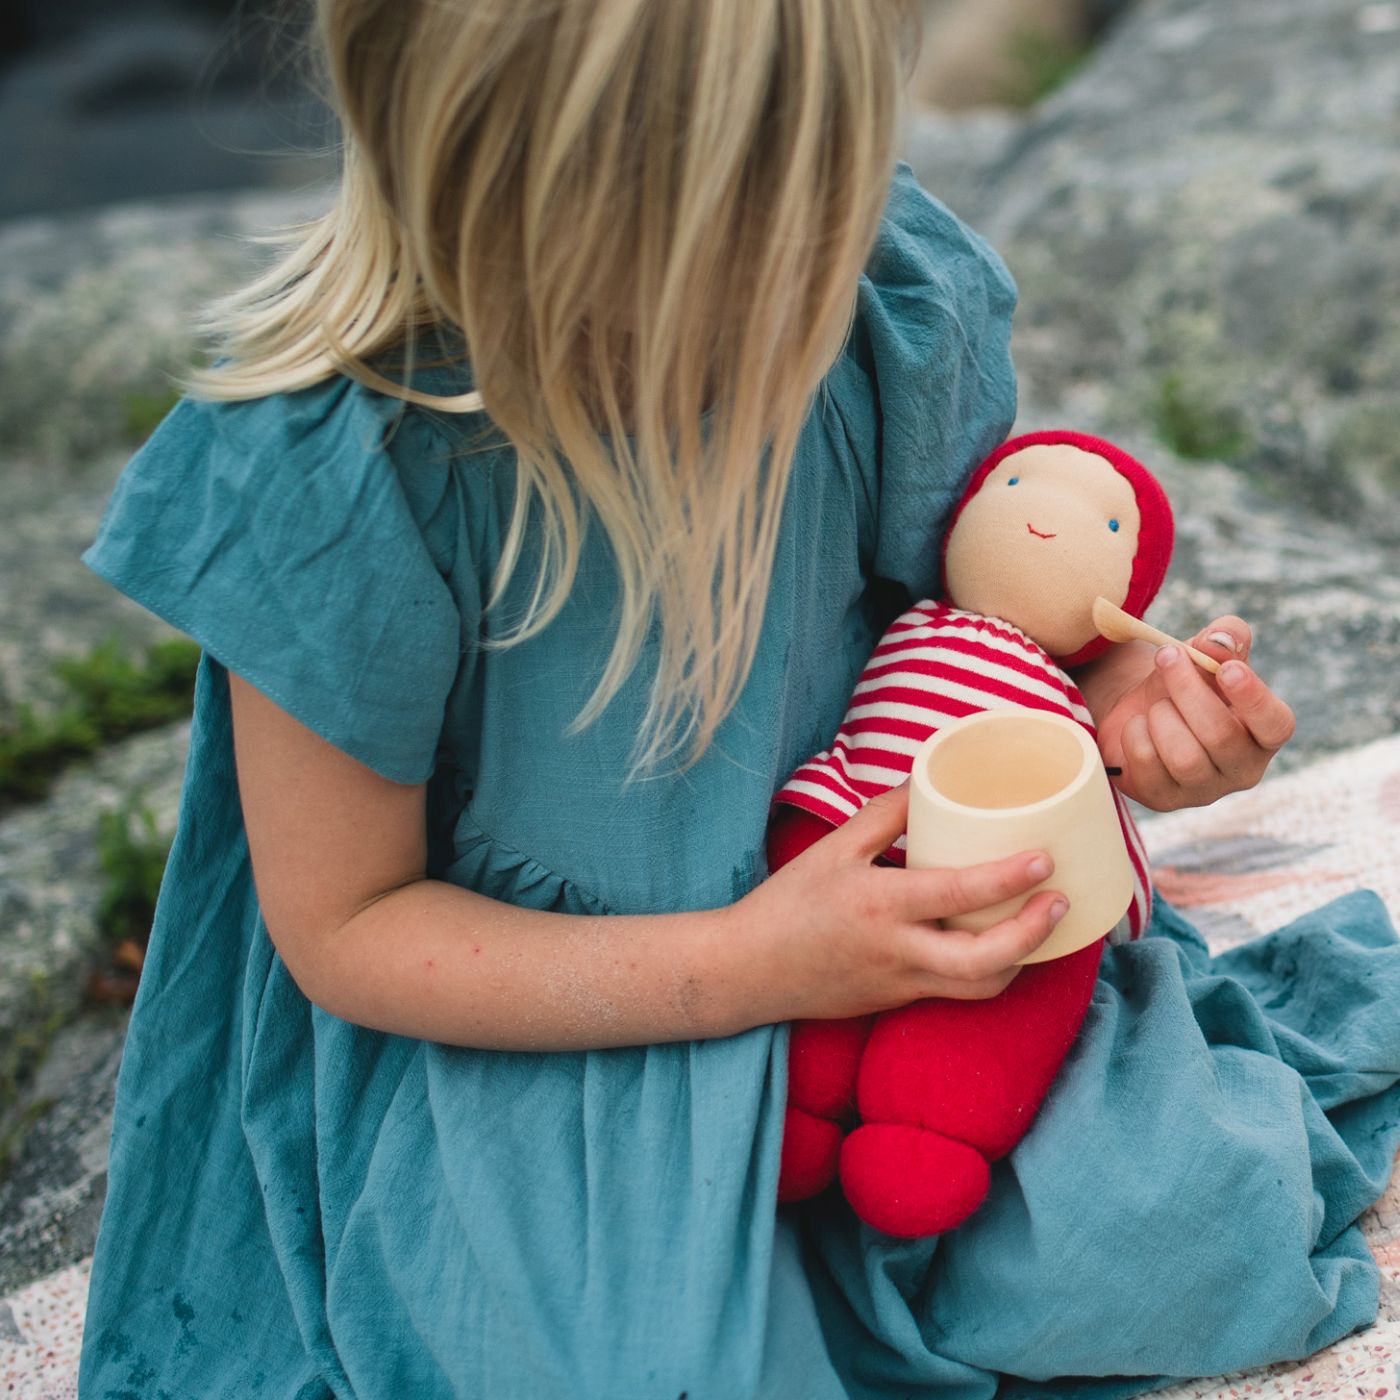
(300, 1207)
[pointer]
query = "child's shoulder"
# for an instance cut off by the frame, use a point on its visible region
(921, 236)
(925, 387)
(931, 285)
(285, 536)
(331, 447)
(335, 419)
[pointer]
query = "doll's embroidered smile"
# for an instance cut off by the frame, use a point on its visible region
(1034, 531)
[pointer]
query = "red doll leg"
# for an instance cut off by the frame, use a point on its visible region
(945, 1087)
(790, 833)
(823, 1056)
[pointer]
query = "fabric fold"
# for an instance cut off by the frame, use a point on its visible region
(280, 535)
(1184, 1205)
(481, 862)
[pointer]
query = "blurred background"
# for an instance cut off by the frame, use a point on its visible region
(151, 98)
(1200, 200)
(162, 97)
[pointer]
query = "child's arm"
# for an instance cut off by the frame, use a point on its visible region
(339, 857)
(1184, 739)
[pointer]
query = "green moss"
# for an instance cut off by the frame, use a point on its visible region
(1194, 424)
(123, 695)
(23, 1048)
(15, 1132)
(1039, 63)
(34, 749)
(142, 412)
(112, 696)
(1365, 443)
(132, 851)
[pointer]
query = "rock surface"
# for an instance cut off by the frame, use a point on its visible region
(1203, 224)
(51, 888)
(58, 1060)
(63, 609)
(1323, 600)
(979, 52)
(51, 1201)
(213, 87)
(95, 312)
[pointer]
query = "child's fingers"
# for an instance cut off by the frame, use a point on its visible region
(940, 893)
(970, 957)
(1234, 721)
(1197, 736)
(1224, 638)
(1268, 719)
(875, 827)
(1200, 741)
(1144, 775)
(1182, 753)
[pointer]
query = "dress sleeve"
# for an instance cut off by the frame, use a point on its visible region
(282, 536)
(925, 387)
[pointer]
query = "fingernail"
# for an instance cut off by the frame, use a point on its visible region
(1168, 656)
(1223, 639)
(1040, 867)
(1058, 910)
(1233, 674)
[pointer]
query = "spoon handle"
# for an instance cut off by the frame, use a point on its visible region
(1149, 633)
(1118, 625)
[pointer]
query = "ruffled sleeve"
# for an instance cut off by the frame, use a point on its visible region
(925, 387)
(281, 535)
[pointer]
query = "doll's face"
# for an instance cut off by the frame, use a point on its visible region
(1052, 527)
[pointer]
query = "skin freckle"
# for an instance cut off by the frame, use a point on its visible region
(690, 998)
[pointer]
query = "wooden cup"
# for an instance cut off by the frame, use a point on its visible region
(1003, 781)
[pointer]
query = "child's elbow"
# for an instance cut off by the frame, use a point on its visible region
(307, 952)
(336, 957)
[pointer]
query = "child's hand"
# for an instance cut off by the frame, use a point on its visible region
(836, 935)
(1184, 738)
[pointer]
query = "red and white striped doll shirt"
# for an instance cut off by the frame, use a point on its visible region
(934, 664)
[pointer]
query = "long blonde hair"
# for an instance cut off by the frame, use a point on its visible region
(647, 218)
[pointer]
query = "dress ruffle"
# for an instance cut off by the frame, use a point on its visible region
(491, 867)
(1185, 1202)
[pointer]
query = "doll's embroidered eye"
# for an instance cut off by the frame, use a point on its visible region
(1015, 479)
(1113, 525)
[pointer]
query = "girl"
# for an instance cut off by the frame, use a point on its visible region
(544, 506)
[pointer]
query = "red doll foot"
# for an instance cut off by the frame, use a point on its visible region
(811, 1147)
(909, 1181)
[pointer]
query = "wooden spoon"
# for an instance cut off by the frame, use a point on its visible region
(1119, 626)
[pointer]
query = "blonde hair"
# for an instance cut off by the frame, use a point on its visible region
(647, 218)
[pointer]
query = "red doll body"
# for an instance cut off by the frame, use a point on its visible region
(932, 1093)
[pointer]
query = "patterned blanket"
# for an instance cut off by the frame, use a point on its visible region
(1249, 864)
(1252, 863)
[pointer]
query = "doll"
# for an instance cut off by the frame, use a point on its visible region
(944, 1087)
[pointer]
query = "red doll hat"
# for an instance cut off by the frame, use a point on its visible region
(1156, 535)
